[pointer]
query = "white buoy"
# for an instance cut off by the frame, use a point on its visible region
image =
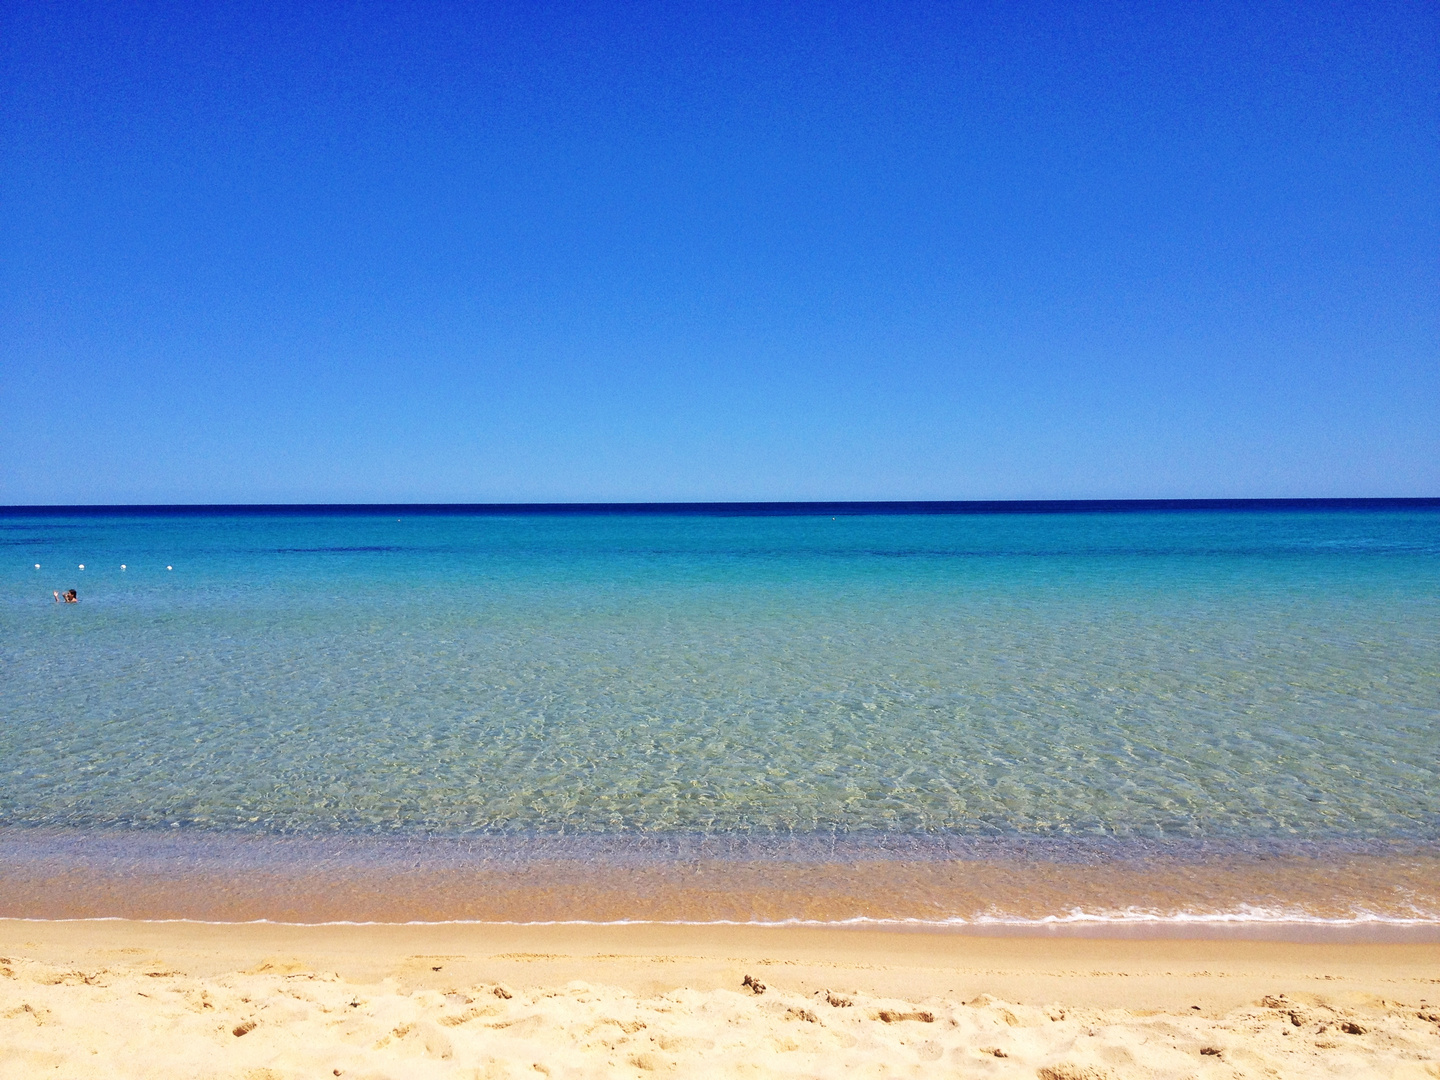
(169, 568)
(122, 566)
(37, 566)
(82, 566)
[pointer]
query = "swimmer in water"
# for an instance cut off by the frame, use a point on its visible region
(67, 597)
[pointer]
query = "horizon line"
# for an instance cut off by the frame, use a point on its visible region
(756, 508)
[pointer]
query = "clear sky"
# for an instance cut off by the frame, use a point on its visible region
(469, 252)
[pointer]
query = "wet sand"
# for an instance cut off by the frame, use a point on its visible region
(167, 999)
(73, 875)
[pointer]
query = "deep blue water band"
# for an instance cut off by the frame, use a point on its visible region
(737, 509)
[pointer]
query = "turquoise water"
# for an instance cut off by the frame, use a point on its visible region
(1230, 677)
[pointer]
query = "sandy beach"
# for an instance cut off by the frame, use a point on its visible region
(122, 998)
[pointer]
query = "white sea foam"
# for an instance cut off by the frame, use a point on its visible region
(1239, 918)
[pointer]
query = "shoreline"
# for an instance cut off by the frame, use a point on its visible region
(167, 999)
(1158, 929)
(1314, 896)
(1351, 896)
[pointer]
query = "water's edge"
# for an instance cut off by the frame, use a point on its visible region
(963, 885)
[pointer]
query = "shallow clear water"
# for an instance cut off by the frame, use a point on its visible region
(1242, 678)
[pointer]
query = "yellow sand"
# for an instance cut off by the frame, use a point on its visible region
(91, 999)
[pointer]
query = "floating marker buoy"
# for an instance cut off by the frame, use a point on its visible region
(122, 566)
(82, 566)
(37, 566)
(169, 568)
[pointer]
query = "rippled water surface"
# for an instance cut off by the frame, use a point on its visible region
(1238, 677)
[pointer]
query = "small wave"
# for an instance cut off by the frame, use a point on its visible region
(1245, 915)
(365, 549)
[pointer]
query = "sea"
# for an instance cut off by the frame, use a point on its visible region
(1172, 717)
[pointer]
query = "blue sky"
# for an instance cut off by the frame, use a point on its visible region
(414, 252)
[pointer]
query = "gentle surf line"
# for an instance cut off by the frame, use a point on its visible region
(1074, 918)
